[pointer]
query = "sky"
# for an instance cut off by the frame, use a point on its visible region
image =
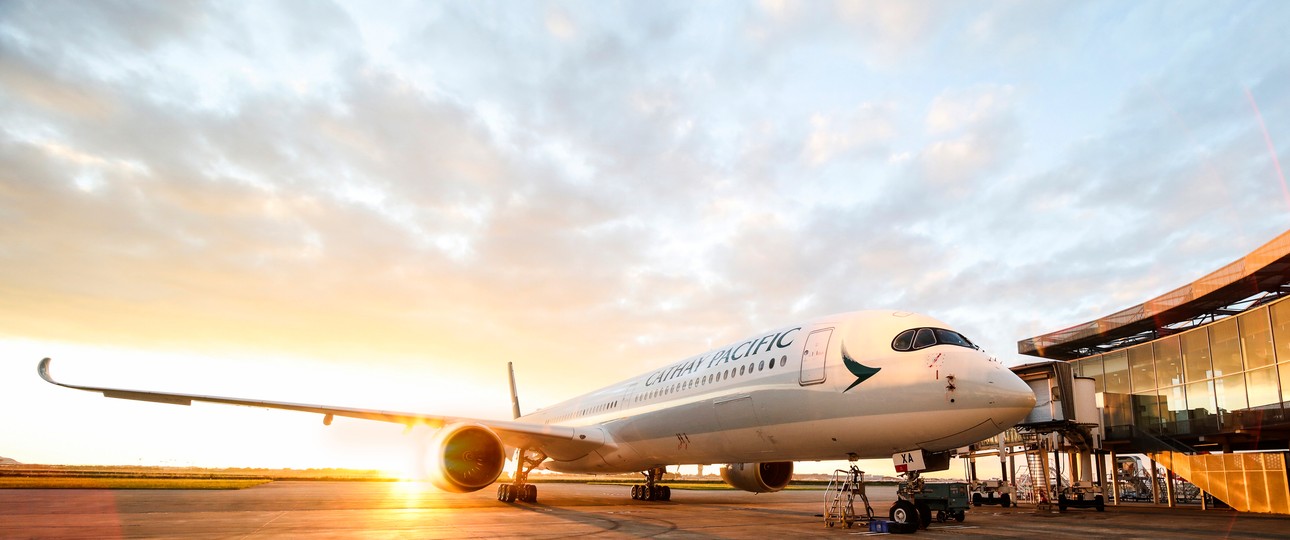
(380, 204)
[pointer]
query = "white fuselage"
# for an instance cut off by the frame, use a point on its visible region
(789, 395)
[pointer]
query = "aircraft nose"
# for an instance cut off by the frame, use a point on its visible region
(1011, 396)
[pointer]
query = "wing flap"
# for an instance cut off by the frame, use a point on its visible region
(141, 396)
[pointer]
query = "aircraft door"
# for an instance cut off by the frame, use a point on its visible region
(815, 357)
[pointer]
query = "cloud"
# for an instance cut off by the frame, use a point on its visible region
(865, 131)
(953, 110)
(976, 135)
(485, 182)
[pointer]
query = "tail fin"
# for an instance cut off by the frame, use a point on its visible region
(515, 400)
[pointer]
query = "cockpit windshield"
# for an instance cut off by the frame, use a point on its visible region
(922, 338)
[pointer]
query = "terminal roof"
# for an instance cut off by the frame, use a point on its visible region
(1251, 280)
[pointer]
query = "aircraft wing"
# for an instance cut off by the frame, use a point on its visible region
(559, 442)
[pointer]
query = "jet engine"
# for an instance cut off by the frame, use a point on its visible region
(465, 457)
(758, 477)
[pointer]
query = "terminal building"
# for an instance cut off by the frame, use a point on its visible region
(1197, 379)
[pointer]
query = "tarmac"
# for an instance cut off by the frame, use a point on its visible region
(312, 509)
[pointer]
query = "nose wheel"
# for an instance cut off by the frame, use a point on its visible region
(907, 510)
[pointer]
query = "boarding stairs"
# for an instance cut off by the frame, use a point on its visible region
(839, 498)
(1037, 464)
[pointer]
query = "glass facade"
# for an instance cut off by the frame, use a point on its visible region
(1221, 376)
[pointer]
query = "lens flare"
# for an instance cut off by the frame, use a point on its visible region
(1272, 149)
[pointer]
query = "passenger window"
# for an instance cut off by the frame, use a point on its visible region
(741, 370)
(925, 338)
(761, 365)
(783, 360)
(904, 340)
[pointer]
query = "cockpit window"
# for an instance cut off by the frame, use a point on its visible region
(921, 338)
(903, 341)
(952, 338)
(925, 338)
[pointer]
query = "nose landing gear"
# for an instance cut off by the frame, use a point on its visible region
(907, 512)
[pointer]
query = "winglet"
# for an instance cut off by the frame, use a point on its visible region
(43, 369)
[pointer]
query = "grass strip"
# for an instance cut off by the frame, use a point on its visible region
(127, 483)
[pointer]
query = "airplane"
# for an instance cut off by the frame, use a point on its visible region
(858, 385)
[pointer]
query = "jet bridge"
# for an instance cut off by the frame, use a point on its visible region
(1056, 442)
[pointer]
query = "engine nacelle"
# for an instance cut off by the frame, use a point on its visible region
(465, 457)
(758, 477)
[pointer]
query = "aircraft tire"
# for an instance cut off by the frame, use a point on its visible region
(924, 515)
(667, 493)
(903, 512)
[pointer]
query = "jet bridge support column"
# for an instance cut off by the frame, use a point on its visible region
(1169, 488)
(1115, 480)
(1012, 468)
(1099, 463)
(1004, 456)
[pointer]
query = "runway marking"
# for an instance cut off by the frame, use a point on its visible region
(263, 525)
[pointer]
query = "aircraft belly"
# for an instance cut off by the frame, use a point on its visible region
(868, 437)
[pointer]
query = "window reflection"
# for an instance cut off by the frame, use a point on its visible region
(1262, 385)
(1168, 361)
(1281, 329)
(1142, 369)
(1195, 353)
(1256, 338)
(1199, 380)
(1175, 407)
(1229, 393)
(1225, 345)
(1116, 365)
(1200, 405)
(1092, 368)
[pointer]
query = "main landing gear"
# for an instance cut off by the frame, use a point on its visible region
(651, 491)
(519, 489)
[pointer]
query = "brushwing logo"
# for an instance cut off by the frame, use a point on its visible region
(861, 371)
